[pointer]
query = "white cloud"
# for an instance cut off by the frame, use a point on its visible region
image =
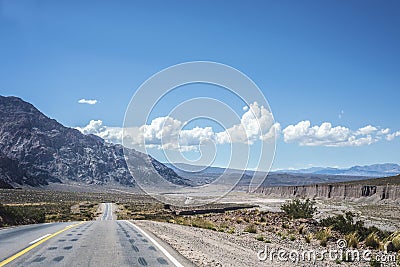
(257, 123)
(326, 135)
(392, 136)
(366, 130)
(166, 132)
(384, 131)
(87, 101)
(96, 127)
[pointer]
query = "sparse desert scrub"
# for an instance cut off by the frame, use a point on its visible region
(17, 214)
(395, 239)
(297, 209)
(239, 220)
(347, 224)
(251, 228)
(324, 235)
(260, 238)
(308, 238)
(301, 229)
(202, 223)
(22, 214)
(352, 240)
(231, 230)
(372, 241)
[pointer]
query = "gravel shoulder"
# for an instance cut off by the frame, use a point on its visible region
(205, 247)
(211, 248)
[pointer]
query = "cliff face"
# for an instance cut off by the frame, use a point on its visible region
(338, 191)
(36, 150)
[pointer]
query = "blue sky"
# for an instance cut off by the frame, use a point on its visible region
(313, 60)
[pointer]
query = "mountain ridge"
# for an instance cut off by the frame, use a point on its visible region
(209, 174)
(374, 170)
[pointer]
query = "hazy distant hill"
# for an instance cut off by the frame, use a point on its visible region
(393, 180)
(375, 170)
(209, 174)
(36, 150)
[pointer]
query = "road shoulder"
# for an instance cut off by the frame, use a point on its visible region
(144, 225)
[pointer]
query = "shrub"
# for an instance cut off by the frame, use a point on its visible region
(308, 238)
(223, 225)
(396, 243)
(344, 224)
(302, 228)
(296, 208)
(202, 223)
(347, 224)
(292, 238)
(372, 241)
(395, 239)
(323, 236)
(352, 240)
(251, 228)
(231, 231)
(260, 238)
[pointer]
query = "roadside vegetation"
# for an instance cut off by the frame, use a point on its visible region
(297, 209)
(19, 207)
(18, 214)
(15, 215)
(294, 224)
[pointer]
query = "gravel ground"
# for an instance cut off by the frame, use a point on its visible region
(211, 248)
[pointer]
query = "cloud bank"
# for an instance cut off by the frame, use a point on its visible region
(326, 135)
(256, 124)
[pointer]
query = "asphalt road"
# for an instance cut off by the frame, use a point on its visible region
(105, 242)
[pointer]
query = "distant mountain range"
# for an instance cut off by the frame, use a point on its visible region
(277, 178)
(36, 150)
(375, 170)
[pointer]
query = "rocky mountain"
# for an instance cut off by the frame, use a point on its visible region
(36, 150)
(375, 170)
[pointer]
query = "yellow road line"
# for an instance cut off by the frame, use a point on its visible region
(22, 252)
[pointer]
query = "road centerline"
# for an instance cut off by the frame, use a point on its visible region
(22, 252)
